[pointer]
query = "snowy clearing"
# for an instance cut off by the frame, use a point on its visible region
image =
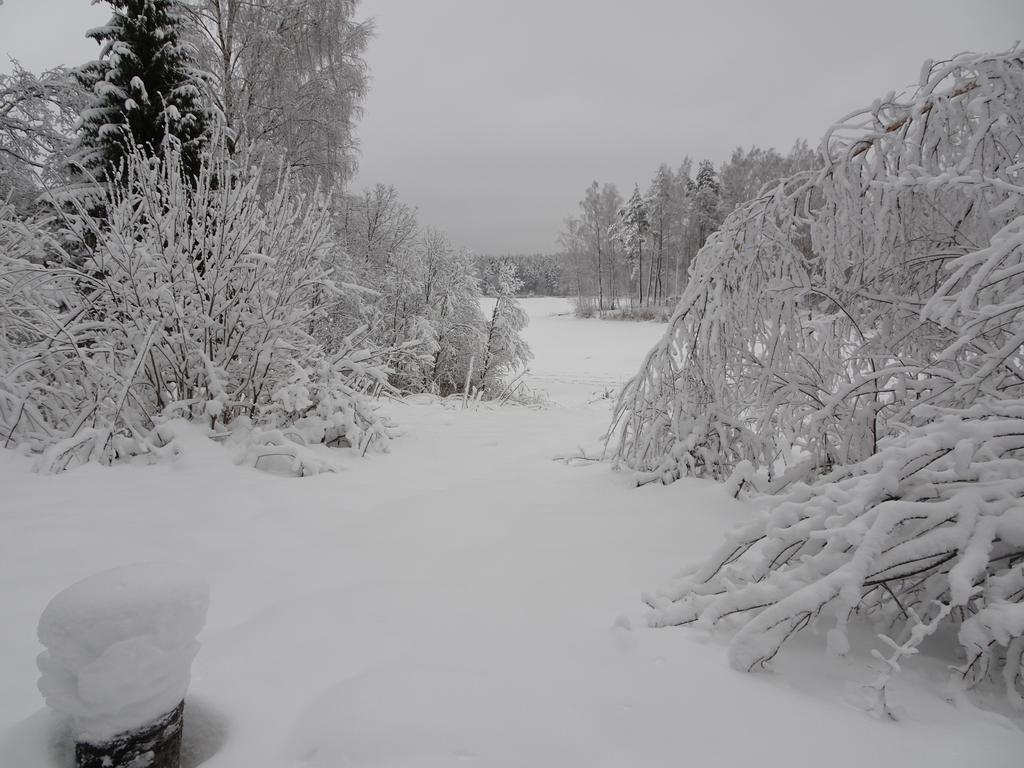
(461, 600)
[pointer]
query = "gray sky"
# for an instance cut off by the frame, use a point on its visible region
(492, 116)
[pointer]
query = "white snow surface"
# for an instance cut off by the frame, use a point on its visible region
(461, 600)
(119, 646)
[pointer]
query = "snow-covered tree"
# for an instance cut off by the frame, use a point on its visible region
(144, 90)
(37, 115)
(850, 347)
(422, 294)
(571, 240)
(707, 202)
(379, 229)
(289, 77)
(505, 351)
(541, 274)
(632, 227)
(661, 204)
(455, 322)
(381, 238)
(591, 232)
(812, 318)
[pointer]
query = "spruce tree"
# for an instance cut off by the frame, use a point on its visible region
(633, 226)
(145, 89)
(708, 197)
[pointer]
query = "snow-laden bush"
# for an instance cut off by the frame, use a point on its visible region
(505, 351)
(448, 319)
(931, 525)
(198, 298)
(826, 308)
(851, 346)
(36, 389)
(422, 296)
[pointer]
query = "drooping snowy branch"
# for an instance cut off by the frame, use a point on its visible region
(851, 348)
(825, 309)
(934, 518)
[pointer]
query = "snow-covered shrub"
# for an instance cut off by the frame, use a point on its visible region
(826, 308)
(198, 298)
(868, 380)
(37, 391)
(329, 401)
(453, 324)
(505, 351)
(421, 296)
(932, 522)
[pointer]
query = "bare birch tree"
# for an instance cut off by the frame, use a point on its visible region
(289, 76)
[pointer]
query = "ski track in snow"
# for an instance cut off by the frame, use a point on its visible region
(463, 600)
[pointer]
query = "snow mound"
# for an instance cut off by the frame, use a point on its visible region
(119, 646)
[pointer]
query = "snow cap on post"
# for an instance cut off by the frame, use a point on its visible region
(119, 647)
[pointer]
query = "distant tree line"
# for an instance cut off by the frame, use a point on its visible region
(540, 274)
(624, 254)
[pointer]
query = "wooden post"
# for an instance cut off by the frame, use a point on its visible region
(119, 648)
(157, 745)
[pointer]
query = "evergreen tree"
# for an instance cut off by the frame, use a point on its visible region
(708, 197)
(660, 203)
(144, 90)
(633, 225)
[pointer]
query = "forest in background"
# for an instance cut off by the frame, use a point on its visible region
(631, 257)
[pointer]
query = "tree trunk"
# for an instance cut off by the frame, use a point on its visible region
(611, 277)
(640, 271)
(659, 290)
(487, 350)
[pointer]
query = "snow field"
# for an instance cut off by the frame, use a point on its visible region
(462, 600)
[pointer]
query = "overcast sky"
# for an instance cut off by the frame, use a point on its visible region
(492, 116)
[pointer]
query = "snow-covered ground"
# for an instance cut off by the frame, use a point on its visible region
(463, 600)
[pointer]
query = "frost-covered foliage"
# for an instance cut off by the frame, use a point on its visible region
(423, 298)
(32, 337)
(37, 113)
(541, 274)
(694, 407)
(931, 524)
(631, 229)
(453, 322)
(825, 309)
(505, 351)
(850, 345)
(196, 298)
(289, 77)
